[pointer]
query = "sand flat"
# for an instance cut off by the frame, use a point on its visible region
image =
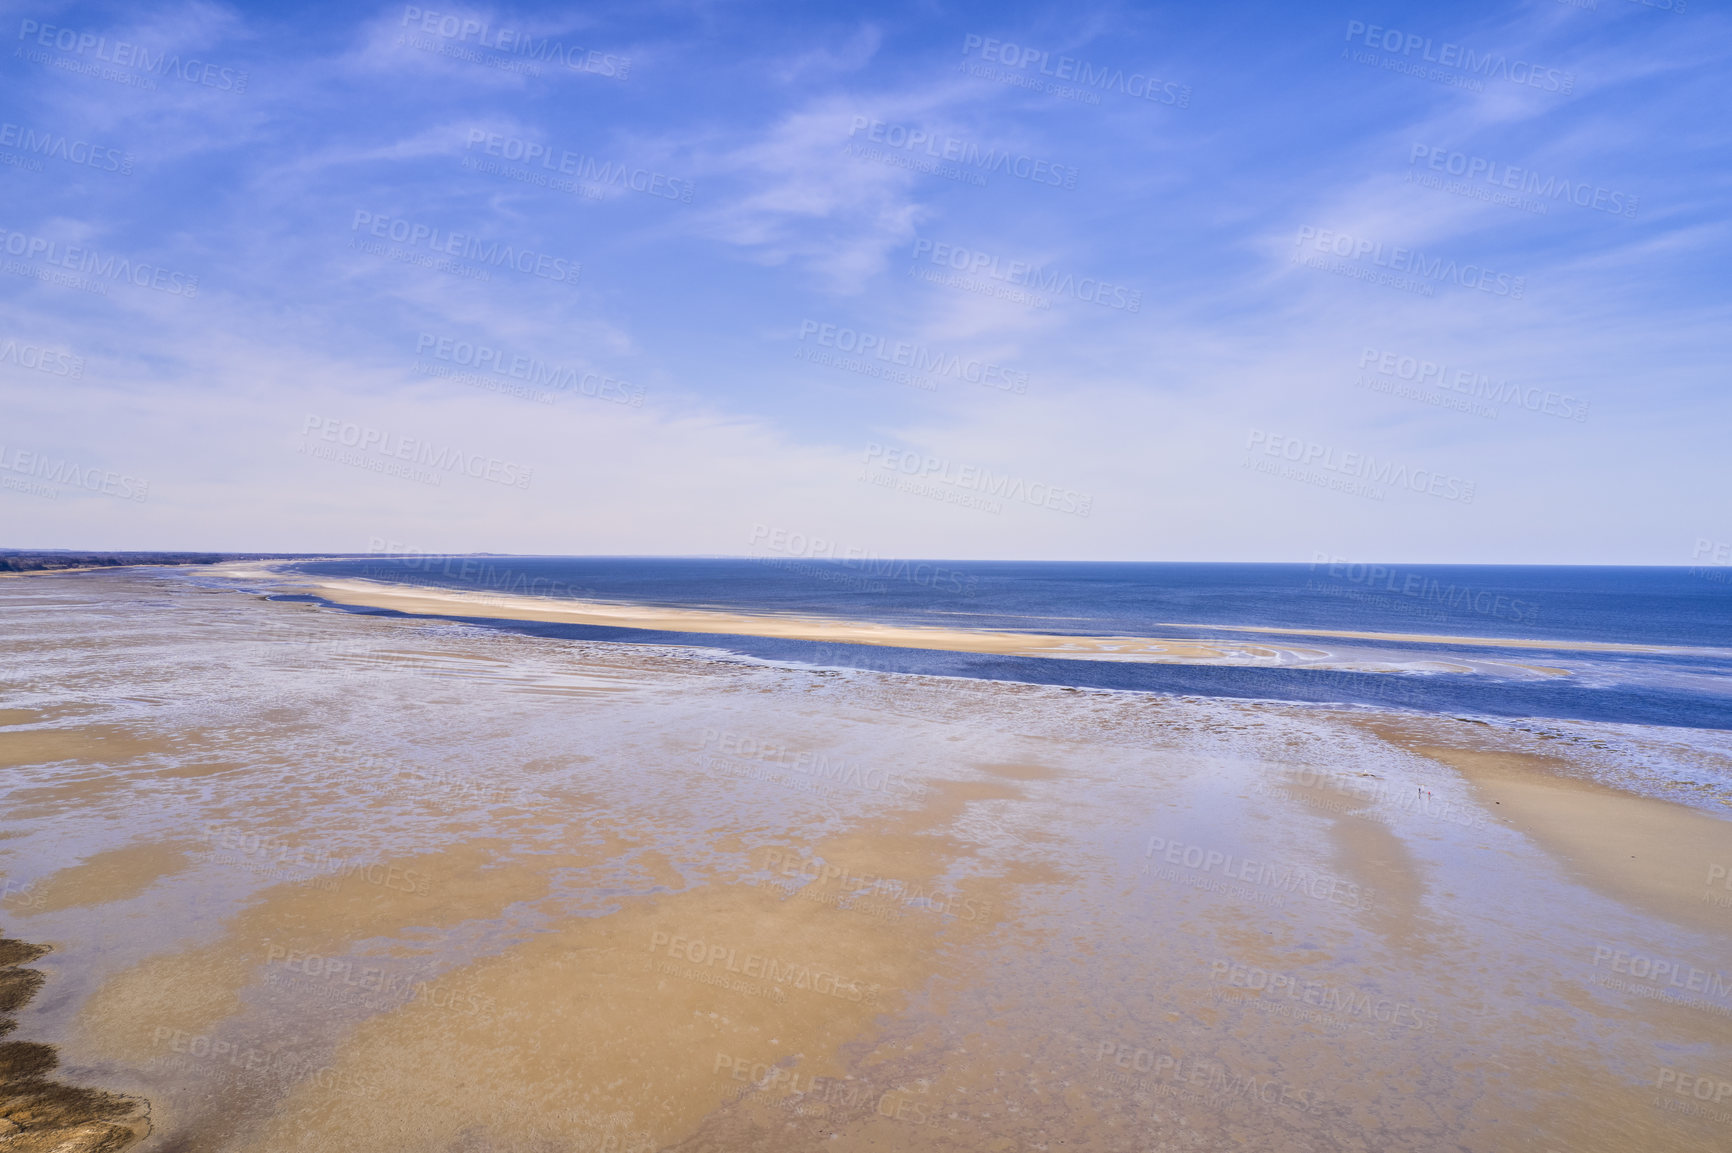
(625, 1018)
(436, 904)
(113, 875)
(1652, 854)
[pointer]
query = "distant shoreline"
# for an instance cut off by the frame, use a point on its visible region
(64, 560)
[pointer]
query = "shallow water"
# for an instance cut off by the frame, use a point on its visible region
(316, 879)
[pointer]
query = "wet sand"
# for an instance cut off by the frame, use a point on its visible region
(319, 881)
(39, 1114)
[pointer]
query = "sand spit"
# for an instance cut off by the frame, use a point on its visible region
(456, 602)
(1200, 650)
(358, 591)
(41, 1115)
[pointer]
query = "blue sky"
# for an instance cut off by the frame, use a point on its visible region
(1156, 282)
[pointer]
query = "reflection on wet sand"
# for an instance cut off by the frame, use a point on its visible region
(554, 895)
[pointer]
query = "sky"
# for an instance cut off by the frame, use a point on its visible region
(1155, 282)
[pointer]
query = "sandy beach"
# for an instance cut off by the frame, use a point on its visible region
(309, 880)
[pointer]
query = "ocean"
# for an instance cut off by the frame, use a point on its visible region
(1676, 623)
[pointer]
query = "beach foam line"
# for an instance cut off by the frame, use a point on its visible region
(1440, 639)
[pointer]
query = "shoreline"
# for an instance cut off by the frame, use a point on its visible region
(35, 1111)
(1425, 676)
(427, 600)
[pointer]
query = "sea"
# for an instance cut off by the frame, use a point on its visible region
(1676, 623)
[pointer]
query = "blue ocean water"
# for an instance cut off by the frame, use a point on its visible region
(1688, 611)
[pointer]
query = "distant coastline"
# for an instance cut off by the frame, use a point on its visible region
(59, 560)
